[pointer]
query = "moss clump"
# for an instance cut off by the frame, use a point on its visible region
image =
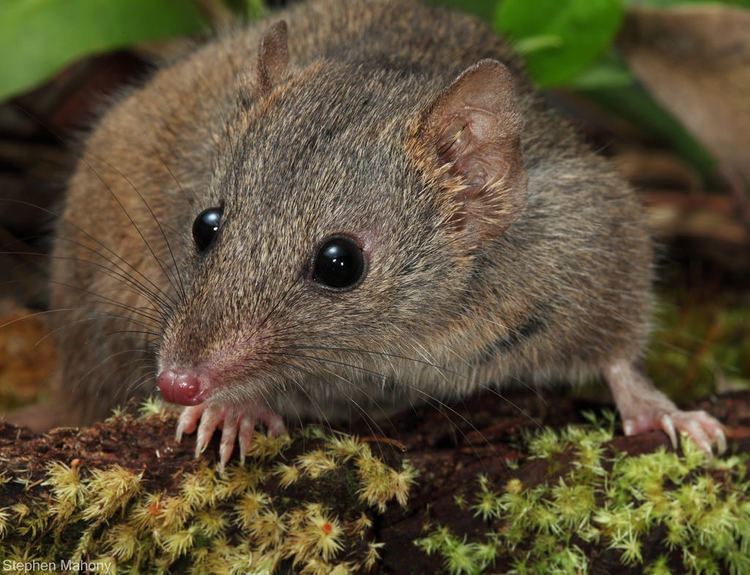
(702, 345)
(696, 511)
(265, 516)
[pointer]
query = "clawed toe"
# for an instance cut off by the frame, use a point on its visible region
(235, 424)
(228, 436)
(247, 427)
(211, 418)
(188, 421)
(700, 427)
(668, 427)
(274, 424)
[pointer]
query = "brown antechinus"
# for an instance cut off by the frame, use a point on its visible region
(347, 208)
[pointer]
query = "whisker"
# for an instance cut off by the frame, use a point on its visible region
(463, 418)
(323, 360)
(137, 287)
(442, 404)
(169, 247)
(142, 332)
(132, 388)
(378, 353)
(317, 406)
(98, 176)
(79, 381)
(169, 277)
(97, 316)
(156, 319)
(35, 314)
(90, 237)
(367, 417)
(518, 408)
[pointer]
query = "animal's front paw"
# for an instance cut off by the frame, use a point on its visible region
(234, 422)
(705, 430)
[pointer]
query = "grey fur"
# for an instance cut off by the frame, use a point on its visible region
(562, 293)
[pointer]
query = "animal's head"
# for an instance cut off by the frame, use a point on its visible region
(342, 223)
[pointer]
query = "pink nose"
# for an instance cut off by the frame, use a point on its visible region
(181, 387)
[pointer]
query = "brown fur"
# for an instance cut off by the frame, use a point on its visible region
(328, 143)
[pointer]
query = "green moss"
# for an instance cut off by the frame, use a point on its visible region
(700, 346)
(681, 502)
(253, 518)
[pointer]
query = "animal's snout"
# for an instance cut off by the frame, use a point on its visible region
(182, 386)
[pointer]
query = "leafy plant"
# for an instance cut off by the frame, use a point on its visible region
(559, 39)
(38, 37)
(571, 44)
(696, 511)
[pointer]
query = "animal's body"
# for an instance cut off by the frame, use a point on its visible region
(478, 241)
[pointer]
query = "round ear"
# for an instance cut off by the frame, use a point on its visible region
(273, 57)
(471, 138)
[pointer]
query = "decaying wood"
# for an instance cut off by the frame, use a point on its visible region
(448, 447)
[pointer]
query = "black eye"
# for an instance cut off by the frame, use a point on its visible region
(339, 264)
(205, 227)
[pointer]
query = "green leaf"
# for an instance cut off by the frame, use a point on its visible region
(247, 9)
(526, 46)
(38, 37)
(575, 33)
(607, 72)
(254, 9)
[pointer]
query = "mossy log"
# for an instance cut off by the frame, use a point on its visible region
(495, 485)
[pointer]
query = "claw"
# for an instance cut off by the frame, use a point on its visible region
(228, 437)
(274, 424)
(210, 421)
(721, 440)
(247, 426)
(201, 443)
(628, 427)
(644, 408)
(705, 431)
(668, 426)
(188, 421)
(235, 424)
(698, 435)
